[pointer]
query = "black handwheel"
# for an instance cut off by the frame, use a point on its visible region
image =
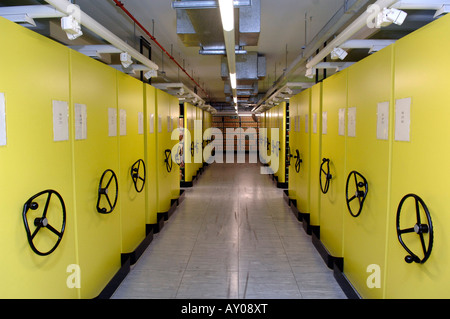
(419, 229)
(168, 160)
(268, 144)
(298, 161)
(138, 175)
(288, 156)
(42, 222)
(107, 178)
(179, 154)
(325, 172)
(360, 192)
(192, 148)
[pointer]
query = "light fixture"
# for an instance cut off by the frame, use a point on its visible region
(233, 80)
(388, 16)
(72, 27)
(310, 73)
(338, 53)
(235, 99)
(125, 59)
(227, 14)
(150, 74)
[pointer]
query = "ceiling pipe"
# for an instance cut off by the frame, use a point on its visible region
(342, 16)
(121, 6)
(67, 8)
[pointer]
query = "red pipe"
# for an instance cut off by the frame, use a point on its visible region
(121, 5)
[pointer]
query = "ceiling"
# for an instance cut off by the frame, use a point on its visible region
(287, 28)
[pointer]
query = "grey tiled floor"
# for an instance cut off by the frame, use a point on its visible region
(234, 237)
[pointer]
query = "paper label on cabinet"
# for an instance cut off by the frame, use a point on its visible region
(351, 129)
(402, 119)
(324, 122)
(112, 122)
(60, 121)
(140, 123)
(80, 121)
(342, 122)
(314, 123)
(151, 123)
(2, 119)
(122, 122)
(169, 124)
(383, 121)
(306, 123)
(159, 123)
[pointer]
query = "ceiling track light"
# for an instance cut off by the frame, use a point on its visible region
(388, 16)
(338, 53)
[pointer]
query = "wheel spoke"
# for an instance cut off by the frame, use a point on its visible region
(53, 230)
(407, 230)
(417, 211)
(423, 244)
(352, 198)
(47, 203)
(109, 202)
(36, 231)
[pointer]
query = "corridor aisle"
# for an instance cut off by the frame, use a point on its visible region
(235, 237)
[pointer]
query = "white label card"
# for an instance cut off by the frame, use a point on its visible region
(159, 123)
(324, 122)
(169, 124)
(141, 123)
(112, 122)
(306, 123)
(383, 121)
(402, 119)
(151, 123)
(342, 122)
(123, 122)
(351, 129)
(314, 120)
(2, 119)
(80, 121)
(60, 121)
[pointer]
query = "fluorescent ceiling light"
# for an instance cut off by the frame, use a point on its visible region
(233, 80)
(227, 14)
(235, 99)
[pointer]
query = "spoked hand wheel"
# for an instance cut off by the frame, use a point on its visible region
(288, 156)
(325, 173)
(419, 229)
(43, 222)
(192, 148)
(104, 191)
(298, 161)
(360, 192)
(138, 175)
(168, 160)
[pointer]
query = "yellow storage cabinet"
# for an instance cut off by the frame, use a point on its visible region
(94, 104)
(31, 161)
(163, 151)
(304, 147)
(367, 170)
(150, 157)
(198, 138)
(316, 153)
(332, 176)
(132, 171)
(293, 147)
(168, 174)
(419, 160)
(175, 144)
(189, 144)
